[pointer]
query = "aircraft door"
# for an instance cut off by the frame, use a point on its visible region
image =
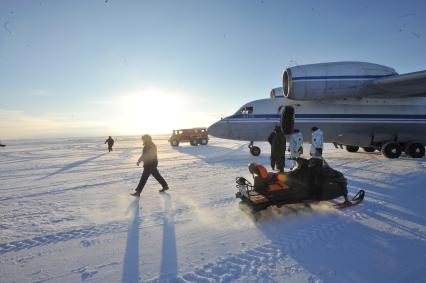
(287, 120)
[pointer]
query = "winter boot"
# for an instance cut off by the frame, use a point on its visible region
(164, 189)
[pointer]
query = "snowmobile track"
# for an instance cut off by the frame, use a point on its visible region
(63, 236)
(263, 260)
(152, 220)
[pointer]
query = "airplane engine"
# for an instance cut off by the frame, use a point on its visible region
(330, 80)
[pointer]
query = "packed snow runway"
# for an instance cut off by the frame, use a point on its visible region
(66, 216)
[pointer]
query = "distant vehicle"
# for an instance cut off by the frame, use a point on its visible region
(194, 136)
(355, 104)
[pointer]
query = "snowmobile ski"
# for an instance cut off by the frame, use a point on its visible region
(357, 199)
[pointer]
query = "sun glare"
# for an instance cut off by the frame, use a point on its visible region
(151, 111)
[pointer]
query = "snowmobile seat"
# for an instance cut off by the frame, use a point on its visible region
(265, 181)
(259, 170)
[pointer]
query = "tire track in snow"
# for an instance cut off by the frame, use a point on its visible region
(59, 191)
(263, 261)
(154, 219)
(74, 234)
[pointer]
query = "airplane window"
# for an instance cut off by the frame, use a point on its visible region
(247, 110)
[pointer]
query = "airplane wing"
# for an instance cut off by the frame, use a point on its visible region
(405, 85)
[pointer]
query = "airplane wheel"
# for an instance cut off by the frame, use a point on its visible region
(369, 149)
(415, 150)
(254, 150)
(351, 148)
(174, 142)
(391, 150)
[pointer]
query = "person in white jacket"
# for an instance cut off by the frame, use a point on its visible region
(316, 143)
(295, 146)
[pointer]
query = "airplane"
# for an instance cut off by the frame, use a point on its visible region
(356, 104)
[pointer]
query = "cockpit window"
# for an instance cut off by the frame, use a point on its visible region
(246, 110)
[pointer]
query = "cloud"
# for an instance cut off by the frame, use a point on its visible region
(38, 92)
(16, 124)
(143, 110)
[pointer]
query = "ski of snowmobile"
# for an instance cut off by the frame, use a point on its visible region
(357, 199)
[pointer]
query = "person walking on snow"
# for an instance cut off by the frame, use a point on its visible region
(150, 163)
(110, 142)
(295, 146)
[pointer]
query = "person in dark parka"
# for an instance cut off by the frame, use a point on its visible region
(110, 142)
(150, 163)
(278, 145)
(271, 140)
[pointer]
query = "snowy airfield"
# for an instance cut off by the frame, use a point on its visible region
(66, 216)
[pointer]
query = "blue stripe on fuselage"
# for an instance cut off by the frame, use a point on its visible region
(331, 116)
(339, 77)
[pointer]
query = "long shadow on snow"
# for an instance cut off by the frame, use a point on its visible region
(216, 154)
(169, 261)
(131, 257)
(337, 250)
(168, 269)
(329, 247)
(53, 192)
(75, 234)
(71, 165)
(369, 243)
(390, 178)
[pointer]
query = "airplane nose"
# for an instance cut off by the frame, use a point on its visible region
(217, 129)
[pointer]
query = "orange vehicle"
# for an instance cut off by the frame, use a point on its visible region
(194, 136)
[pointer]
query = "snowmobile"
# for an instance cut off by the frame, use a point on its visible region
(312, 180)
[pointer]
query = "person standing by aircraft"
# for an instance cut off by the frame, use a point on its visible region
(150, 163)
(271, 140)
(295, 146)
(316, 143)
(278, 144)
(110, 142)
(316, 162)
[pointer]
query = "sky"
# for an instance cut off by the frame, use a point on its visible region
(110, 67)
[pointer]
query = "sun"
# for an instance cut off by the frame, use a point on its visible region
(149, 111)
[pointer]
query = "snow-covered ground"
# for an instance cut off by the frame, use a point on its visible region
(66, 216)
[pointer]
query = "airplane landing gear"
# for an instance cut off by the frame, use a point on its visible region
(352, 148)
(415, 150)
(391, 150)
(369, 149)
(254, 150)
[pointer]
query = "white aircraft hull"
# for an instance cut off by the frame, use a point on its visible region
(357, 122)
(354, 103)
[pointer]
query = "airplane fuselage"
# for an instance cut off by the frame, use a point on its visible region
(358, 121)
